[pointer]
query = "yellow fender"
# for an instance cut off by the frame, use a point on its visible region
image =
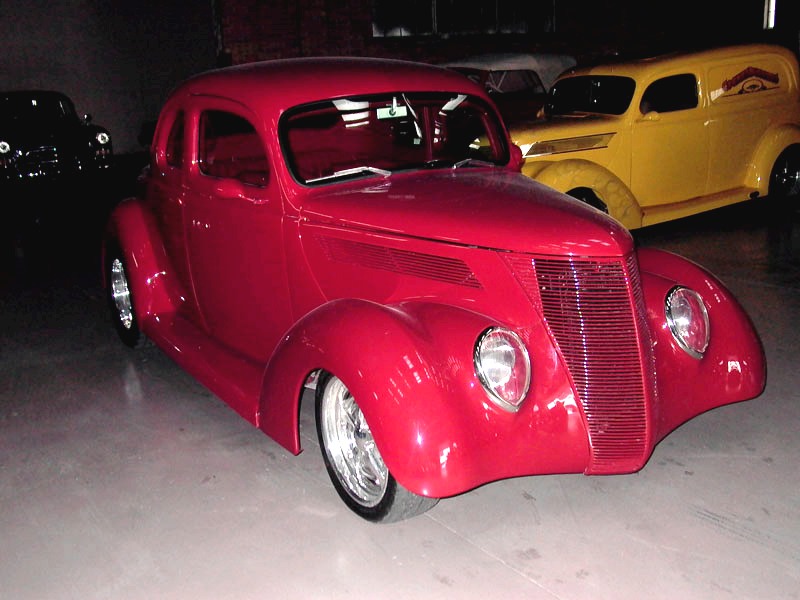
(567, 175)
(771, 144)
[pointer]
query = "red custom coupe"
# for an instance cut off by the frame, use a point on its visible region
(360, 226)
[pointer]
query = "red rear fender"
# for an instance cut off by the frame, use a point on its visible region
(131, 227)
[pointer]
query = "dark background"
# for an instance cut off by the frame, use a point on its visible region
(119, 59)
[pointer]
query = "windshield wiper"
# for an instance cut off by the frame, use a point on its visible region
(473, 162)
(351, 171)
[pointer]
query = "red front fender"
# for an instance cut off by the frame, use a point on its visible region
(410, 368)
(733, 367)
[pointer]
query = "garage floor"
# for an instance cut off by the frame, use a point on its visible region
(122, 478)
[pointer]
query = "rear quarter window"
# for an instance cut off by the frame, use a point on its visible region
(174, 145)
(230, 147)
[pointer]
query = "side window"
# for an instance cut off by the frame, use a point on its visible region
(231, 148)
(174, 149)
(676, 92)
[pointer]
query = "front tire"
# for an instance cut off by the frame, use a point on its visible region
(587, 196)
(353, 461)
(120, 300)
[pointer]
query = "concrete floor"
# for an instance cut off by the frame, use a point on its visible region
(122, 478)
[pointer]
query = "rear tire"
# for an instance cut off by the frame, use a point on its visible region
(784, 181)
(353, 462)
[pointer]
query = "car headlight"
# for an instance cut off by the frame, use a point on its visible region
(503, 367)
(688, 320)
(5, 147)
(102, 137)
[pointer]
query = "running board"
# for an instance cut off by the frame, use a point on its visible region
(232, 377)
(668, 212)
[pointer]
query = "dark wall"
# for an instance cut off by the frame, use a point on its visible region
(115, 59)
(118, 59)
(256, 30)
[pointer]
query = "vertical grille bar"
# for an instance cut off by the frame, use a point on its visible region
(594, 310)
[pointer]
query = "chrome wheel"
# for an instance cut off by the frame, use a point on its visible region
(120, 294)
(121, 302)
(349, 446)
(785, 179)
(353, 461)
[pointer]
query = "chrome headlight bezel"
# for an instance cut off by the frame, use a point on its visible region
(687, 318)
(5, 147)
(102, 138)
(564, 145)
(503, 367)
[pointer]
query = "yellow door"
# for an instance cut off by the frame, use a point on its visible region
(669, 143)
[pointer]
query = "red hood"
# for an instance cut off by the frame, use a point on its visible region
(490, 209)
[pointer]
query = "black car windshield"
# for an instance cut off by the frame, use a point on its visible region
(375, 136)
(601, 94)
(35, 108)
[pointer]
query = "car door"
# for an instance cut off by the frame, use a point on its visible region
(232, 219)
(669, 151)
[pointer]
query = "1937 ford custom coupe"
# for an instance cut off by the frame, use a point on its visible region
(361, 226)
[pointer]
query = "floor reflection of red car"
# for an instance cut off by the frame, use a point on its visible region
(361, 227)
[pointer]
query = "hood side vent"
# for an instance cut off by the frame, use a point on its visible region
(429, 266)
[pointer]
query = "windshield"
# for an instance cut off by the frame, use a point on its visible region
(374, 136)
(34, 108)
(603, 94)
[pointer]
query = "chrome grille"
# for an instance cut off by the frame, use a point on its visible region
(595, 313)
(43, 160)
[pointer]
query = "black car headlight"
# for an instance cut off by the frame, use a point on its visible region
(6, 155)
(688, 320)
(503, 367)
(102, 138)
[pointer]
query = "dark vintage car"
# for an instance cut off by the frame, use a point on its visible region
(361, 227)
(43, 138)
